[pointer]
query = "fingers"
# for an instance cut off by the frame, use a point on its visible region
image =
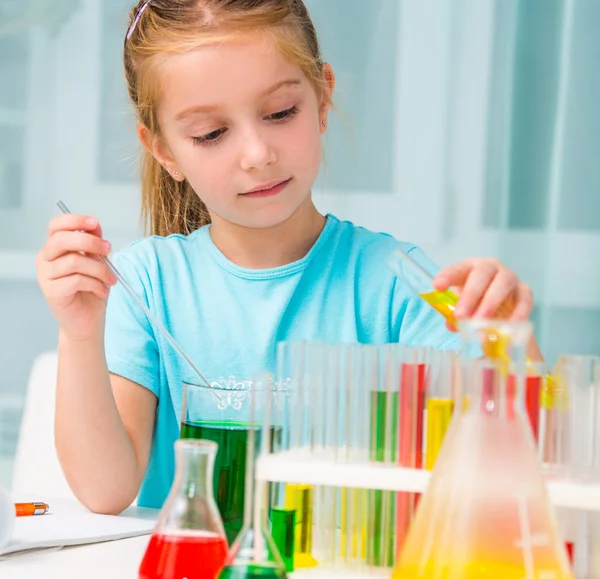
(524, 303)
(71, 222)
(503, 285)
(454, 275)
(73, 284)
(75, 263)
(66, 241)
(474, 289)
(451, 327)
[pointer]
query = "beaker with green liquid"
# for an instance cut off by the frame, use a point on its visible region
(486, 511)
(222, 414)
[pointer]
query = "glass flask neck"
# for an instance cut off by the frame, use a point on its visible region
(498, 340)
(493, 390)
(194, 464)
(190, 505)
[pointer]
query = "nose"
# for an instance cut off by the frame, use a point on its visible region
(256, 151)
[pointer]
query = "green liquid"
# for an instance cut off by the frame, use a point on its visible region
(283, 528)
(381, 505)
(265, 571)
(230, 465)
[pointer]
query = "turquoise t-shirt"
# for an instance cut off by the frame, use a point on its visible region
(228, 319)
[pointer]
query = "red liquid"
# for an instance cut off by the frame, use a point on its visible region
(410, 443)
(570, 548)
(184, 556)
(533, 387)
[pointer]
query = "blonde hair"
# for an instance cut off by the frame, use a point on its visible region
(162, 27)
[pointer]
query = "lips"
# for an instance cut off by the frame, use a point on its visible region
(268, 189)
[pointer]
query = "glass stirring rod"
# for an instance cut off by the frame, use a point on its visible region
(145, 309)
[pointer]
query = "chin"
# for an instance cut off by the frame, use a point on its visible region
(269, 215)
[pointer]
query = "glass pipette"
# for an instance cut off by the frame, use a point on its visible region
(155, 322)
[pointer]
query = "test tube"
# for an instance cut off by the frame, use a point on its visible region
(316, 392)
(301, 365)
(579, 377)
(535, 384)
(411, 417)
(353, 501)
(420, 278)
(289, 405)
(329, 440)
(553, 435)
(440, 402)
(283, 525)
(581, 532)
(567, 525)
(383, 378)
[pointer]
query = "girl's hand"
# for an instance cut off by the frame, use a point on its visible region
(73, 280)
(488, 289)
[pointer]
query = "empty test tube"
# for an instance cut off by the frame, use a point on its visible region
(578, 380)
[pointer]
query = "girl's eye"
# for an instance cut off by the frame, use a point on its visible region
(283, 115)
(210, 138)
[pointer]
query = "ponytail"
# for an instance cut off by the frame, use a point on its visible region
(168, 206)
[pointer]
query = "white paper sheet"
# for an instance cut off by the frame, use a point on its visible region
(69, 523)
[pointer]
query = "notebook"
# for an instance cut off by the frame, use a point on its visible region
(69, 523)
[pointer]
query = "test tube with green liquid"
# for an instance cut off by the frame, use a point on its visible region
(283, 527)
(383, 444)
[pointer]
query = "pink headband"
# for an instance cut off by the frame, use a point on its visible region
(137, 19)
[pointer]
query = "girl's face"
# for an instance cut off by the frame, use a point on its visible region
(244, 127)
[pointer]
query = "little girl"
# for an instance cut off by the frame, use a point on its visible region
(232, 98)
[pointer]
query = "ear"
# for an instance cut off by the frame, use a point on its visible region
(328, 96)
(160, 151)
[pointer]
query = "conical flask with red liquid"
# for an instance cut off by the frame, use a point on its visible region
(486, 512)
(189, 539)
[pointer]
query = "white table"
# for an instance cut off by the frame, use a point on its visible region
(112, 560)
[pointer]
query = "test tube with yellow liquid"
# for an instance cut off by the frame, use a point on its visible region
(440, 405)
(420, 276)
(299, 498)
(486, 511)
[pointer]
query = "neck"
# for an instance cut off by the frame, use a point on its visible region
(265, 248)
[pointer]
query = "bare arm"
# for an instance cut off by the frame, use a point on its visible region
(103, 427)
(103, 423)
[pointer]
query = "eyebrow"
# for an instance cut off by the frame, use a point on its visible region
(289, 83)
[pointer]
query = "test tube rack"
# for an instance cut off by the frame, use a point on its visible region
(331, 440)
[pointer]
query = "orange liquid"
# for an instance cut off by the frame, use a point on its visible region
(444, 303)
(481, 570)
